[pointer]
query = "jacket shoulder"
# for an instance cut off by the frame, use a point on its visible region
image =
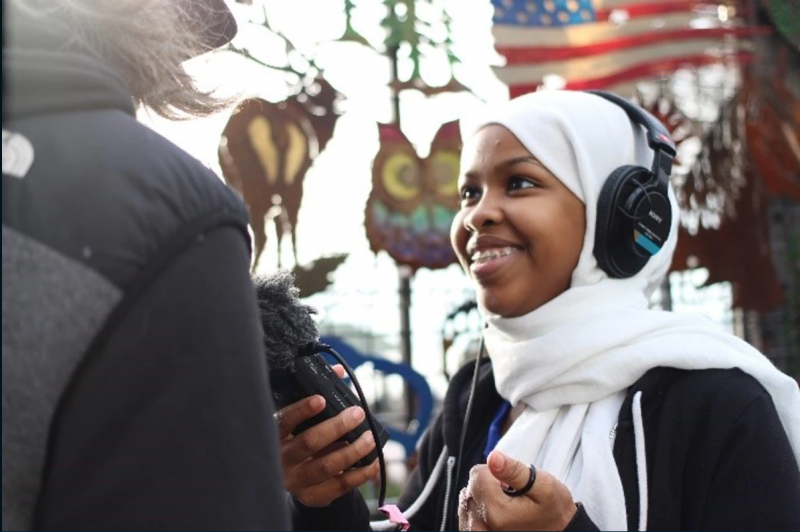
(689, 418)
(111, 193)
(731, 389)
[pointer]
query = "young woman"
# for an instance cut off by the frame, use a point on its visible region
(592, 411)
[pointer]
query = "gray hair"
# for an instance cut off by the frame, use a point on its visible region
(145, 42)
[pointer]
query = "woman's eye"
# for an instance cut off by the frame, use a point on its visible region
(519, 183)
(468, 193)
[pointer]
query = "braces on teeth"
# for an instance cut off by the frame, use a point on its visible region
(489, 254)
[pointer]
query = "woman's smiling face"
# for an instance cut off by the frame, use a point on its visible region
(519, 232)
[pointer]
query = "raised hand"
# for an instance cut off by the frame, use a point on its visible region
(483, 505)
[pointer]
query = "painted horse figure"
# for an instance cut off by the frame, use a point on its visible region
(265, 151)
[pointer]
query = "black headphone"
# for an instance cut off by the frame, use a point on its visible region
(633, 212)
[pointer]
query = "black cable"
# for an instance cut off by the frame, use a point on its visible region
(320, 347)
(467, 415)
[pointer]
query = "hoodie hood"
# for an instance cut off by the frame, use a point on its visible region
(48, 82)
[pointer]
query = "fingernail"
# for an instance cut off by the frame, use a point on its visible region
(371, 438)
(368, 439)
(357, 413)
(499, 461)
(317, 401)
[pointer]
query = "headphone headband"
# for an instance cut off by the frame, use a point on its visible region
(658, 138)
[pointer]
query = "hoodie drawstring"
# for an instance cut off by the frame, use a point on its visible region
(423, 496)
(641, 472)
(641, 459)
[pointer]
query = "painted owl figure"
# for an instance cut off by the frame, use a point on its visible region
(413, 200)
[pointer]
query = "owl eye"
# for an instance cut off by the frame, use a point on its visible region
(401, 177)
(444, 167)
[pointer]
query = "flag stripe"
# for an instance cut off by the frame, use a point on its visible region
(647, 69)
(530, 55)
(647, 9)
(602, 11)
(582, 34)
(604, 65)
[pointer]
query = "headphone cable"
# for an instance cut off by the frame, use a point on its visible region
(467, 415)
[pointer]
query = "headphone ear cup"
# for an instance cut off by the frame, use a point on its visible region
(607, 224)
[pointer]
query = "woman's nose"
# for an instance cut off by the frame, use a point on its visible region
(488, 211)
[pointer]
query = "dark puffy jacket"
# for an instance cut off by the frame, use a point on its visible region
(135, 391)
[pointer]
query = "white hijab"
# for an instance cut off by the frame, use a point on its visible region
(571, 360)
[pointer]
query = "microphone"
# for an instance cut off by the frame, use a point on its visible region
(286, 321)
(297, 370)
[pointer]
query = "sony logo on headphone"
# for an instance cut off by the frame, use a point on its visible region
(655, 217)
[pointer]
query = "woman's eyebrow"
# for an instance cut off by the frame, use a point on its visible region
(506, 164)
(517, 160)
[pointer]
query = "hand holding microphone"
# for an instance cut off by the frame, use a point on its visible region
(323, 433)
(316, 470)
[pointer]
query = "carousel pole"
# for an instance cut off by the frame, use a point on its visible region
(404, 272)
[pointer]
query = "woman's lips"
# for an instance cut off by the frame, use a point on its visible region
(487, 262)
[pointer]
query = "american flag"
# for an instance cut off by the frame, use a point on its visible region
(612, 44)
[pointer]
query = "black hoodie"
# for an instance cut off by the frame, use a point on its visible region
(135, 390)
(717, 457)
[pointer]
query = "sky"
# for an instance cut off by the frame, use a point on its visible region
(364, 296)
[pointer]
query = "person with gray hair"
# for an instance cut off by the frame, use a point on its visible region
(135, 388)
